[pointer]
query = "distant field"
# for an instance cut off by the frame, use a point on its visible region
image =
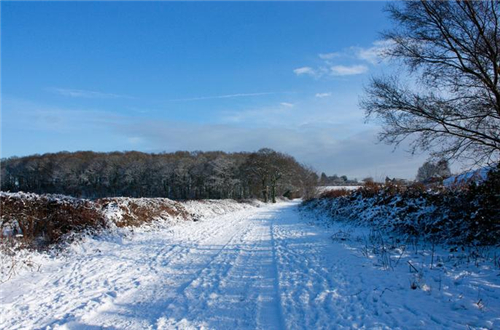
(326, 188)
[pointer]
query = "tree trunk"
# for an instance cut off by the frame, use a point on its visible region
(265, 191)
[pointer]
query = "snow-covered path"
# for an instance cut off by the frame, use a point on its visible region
(262, 268)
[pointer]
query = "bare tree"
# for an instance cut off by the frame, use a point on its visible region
(430, 171)
(257, 170)
(451, 50)
(179, 175)
(308, 181)
(368, 180)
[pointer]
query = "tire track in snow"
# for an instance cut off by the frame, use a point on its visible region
(199, 292)
(144, 306)
(255, 269)
(315, 292)
(276, 283)
(88, 281)
(237, 288)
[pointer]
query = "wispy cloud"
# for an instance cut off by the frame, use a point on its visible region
(334, 63)
(271, 115)
(330, 154)
(322, 95)
(49, 119)
(343, 70)
(226, 96)
(339, 144)
(312, 72)
(334, 70)
(85, 93)
(375, 54)
(305, 71)
(329, 56)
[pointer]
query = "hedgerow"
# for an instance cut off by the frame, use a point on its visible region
(467, 216)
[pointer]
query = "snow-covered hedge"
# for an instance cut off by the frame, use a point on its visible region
(206, 208)
(468, 216)
(126, 211)
(38, 221)
(467, 178)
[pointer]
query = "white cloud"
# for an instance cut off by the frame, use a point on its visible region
(339, 144)
(287, 105)
(321, 95)
(330, 66)
(305, 71)
(329, 56)
(334, 70)
(342, 70)
(375, 54)
(356, 155)
(344, 111)
(85, 93)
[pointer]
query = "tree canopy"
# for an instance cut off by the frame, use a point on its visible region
(450, 105)
(179, 175)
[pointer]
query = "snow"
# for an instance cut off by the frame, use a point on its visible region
(444, 218)
(267, 267)
(466, 178)
(322, 189)
(213, 207)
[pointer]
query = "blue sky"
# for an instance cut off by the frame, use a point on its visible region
(163, 76)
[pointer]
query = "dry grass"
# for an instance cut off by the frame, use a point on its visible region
(135, 211)
(37, 221)
(336, 193)
(43, 219)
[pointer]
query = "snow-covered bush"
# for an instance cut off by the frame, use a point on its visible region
(207, 208)
(39, 220)
(36, 221)
(468, 216)
(334, 193)
(125, 211)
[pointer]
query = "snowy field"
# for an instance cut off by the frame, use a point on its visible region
(327, 188)
(258, 268)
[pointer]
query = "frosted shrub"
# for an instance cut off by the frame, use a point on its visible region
(467, 216)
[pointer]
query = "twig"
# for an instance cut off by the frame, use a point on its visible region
(384, 291)
(401, 255)
(409, 263)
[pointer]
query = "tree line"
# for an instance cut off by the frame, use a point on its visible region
(264, 174)
(335, 180)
